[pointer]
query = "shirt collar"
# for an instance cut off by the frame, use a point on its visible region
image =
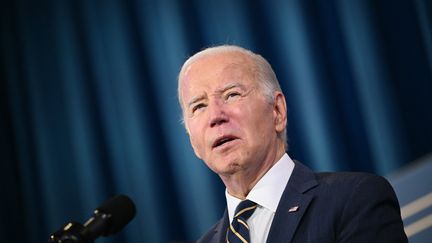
(269, 189)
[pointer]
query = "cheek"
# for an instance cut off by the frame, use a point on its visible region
(196, 137)
(259, 120)
(195, 145)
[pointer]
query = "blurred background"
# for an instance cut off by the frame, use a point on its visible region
(88, 102)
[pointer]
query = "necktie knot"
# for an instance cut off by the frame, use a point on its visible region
(245, 209)
(239, 230)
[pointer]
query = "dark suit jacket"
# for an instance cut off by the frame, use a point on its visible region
(332, 207)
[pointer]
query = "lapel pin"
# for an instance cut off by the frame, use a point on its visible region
(293, 209)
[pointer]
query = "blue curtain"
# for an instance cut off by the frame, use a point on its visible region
(88, 103)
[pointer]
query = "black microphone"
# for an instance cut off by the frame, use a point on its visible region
(108, 219)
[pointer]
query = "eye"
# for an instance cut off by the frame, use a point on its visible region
(232, 94)
(198, 107)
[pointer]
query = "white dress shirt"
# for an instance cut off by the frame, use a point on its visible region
(267, 194)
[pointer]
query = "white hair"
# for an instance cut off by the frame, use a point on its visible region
(261, 68)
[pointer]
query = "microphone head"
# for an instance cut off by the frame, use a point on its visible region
(120, 210)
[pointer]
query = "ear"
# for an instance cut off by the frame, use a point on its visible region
(279, 111)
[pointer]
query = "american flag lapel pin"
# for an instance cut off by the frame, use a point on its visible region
(293, 209)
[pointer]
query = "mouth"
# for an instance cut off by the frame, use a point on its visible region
(223, 140)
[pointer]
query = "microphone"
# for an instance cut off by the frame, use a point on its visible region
(108, 219)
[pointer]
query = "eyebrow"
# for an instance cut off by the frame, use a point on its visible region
(195, 99)
(223, 89)
(230, 86)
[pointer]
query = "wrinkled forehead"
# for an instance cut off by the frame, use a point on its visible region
(232, 65)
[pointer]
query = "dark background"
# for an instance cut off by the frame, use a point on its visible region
(88, 105)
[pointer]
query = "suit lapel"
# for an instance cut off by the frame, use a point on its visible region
(293, 204)
(220, 230)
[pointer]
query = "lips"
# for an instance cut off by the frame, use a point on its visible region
(223, 140)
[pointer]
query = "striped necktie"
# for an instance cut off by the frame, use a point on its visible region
(238, 231)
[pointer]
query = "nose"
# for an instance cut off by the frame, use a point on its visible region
(217, 114)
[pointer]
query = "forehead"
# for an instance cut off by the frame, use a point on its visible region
(216, 70)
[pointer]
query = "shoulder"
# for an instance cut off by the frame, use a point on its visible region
(352, 177)
(345, 191)
(360, 193)
(367, 204)
(306, 179)
(352, 181)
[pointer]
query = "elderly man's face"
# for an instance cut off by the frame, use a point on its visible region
(232, 126)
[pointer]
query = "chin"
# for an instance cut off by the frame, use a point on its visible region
(227, 164)
(227, 169)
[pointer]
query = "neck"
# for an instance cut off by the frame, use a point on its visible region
(241, 183)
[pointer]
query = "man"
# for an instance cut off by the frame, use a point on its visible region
(235, 114)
